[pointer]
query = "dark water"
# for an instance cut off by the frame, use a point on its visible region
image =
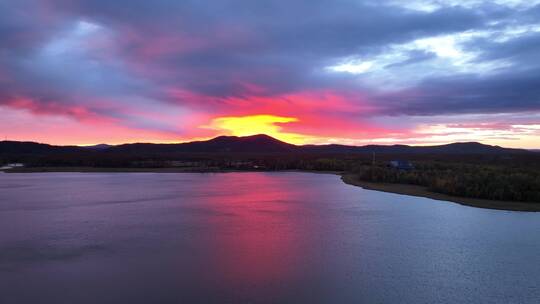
(253, 238)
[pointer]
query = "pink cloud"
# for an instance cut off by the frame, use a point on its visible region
(53, 108)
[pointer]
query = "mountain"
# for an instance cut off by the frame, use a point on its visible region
(222, 144)
(265, 144)
(454, 148)
(27, 147)
(254, 144)
(469, 148)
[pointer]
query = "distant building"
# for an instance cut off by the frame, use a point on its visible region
(401, 164)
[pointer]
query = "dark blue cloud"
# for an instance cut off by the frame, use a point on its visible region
(224, 48)
(468, 94)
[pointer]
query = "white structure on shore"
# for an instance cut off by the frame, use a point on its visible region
(11, 166)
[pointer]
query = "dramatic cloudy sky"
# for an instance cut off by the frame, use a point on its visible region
(313, 71)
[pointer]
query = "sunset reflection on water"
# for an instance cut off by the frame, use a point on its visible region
(265, 236)
(257, 237)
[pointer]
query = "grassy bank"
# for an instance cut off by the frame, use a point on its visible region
(414, 190)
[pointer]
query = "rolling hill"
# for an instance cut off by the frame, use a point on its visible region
(260, 144)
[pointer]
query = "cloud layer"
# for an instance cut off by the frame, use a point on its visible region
(346, 71)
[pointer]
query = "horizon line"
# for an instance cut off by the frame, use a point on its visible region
(262, 134)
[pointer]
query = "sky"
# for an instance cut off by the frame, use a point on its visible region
(419, 72)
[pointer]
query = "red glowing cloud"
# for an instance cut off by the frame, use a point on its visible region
(304, 118)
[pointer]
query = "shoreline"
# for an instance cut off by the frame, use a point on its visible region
(402, 189)
(116, 170)
(420, 191)
(148, 170)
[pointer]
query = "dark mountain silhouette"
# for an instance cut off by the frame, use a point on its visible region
(453, 148)
(467, 147)
(222, 144)
(266, 144)
(27, 147)
(254, 144)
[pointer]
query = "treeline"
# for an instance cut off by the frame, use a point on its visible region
(274, 162)
(496, 177)
(493, 182)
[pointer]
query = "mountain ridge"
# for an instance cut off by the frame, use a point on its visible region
(260, 143)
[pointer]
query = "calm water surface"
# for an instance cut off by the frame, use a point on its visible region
(253, 238)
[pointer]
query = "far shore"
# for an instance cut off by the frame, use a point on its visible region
(117, 170)
(403, 189)
(148, 170)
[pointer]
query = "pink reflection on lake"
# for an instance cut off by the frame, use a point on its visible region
(263, 240)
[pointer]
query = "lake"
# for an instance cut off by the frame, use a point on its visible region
(253, 238)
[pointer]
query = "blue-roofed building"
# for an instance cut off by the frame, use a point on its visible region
(401, 164)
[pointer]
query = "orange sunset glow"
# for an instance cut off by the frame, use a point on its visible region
(258, 124)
